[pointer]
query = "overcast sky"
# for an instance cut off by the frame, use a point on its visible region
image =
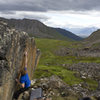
(56, 13)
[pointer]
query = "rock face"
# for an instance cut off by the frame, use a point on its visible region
(12, 46)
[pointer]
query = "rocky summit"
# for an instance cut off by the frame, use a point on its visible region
(13, 44)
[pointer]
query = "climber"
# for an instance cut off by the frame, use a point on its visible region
(24, 81)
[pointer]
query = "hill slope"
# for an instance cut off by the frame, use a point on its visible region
(93, 41)
(68, 34)
(37, 29)
(94, 37)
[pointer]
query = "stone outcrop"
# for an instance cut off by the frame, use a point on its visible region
(88, 52)
(55, 89)
(13, 44)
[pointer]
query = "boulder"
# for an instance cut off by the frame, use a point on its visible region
(13, 44)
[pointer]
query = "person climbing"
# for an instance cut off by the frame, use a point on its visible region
(24, 81)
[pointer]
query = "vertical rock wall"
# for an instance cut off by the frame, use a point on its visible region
(12, 46)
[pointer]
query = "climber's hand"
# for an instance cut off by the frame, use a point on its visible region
(17, 80)
(25, 53)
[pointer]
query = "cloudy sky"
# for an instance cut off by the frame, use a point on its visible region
(67, 14)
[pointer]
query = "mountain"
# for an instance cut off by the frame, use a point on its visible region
(37, 29)
(93, 42)
(94, 37)
(68, 34)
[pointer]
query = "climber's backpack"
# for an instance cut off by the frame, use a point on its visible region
(36, 94)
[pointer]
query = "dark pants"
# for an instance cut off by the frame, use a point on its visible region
(18, 92)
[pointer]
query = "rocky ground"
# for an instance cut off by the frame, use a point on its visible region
(89, 52)
(55, 89)
(87, 70)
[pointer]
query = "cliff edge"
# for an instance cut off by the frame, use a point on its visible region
(13, 43)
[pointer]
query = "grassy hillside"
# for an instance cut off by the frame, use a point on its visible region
(68, 34)
(94, 37)
(51, 64)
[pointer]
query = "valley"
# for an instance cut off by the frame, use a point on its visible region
(68, 61)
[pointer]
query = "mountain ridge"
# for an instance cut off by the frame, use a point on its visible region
(95, 36)
(68, 34)
(38, 29)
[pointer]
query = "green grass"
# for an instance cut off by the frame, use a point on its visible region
(66, 75)
(88, 59)
(91, 83)
(50, 63)
(49, 58)
(48, 46)
(51, 44)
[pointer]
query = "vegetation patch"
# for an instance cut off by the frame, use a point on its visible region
(52, 64)
(64, 74)
(92, 84)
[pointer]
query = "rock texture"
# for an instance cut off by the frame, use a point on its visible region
(87, 70)
(55, 89)
(13, 43)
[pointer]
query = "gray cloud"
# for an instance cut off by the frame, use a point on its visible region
(37, 17)
(47, 5)
(7, 12)
(21, 15)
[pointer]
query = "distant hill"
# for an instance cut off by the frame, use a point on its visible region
(93, 41)
(68, 34)
(37, 29)
(94, 37)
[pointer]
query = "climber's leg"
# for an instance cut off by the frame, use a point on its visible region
(17, 93)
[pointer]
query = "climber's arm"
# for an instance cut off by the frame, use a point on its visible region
(21, 84)
(25, 59)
